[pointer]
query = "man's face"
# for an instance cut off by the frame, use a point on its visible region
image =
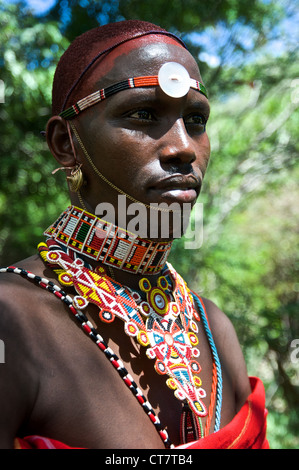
(150, 145)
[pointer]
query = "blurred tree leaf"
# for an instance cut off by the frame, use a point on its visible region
(29, 195)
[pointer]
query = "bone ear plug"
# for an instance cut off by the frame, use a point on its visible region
(174, 79)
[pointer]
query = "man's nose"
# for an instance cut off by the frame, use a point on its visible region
(177, 144)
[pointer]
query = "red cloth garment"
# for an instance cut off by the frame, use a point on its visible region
(39, 442)
(247, 430)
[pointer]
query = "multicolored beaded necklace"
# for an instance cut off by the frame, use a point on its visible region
(99, 240)
(160, 317)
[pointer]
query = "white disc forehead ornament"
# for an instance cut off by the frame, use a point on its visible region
(174, 79)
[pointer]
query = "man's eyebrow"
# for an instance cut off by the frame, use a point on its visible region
(138, 95)
(138, 98)
(200, 104)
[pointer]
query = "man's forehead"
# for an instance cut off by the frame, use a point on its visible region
(140, 57)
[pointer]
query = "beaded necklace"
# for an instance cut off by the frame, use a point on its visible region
(99, 240)
(165, 324)
(160, 317)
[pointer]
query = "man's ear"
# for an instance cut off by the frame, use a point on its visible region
(59, 142)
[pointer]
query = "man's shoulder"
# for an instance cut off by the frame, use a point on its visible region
(219, 321)
(20, 298)
(20, 330)
(14, 285)
(221, 326)
(32, 263)
(32, 323)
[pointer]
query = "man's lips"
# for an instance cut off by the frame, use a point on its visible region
(184, 188)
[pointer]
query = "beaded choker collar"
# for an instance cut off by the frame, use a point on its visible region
(99, 240)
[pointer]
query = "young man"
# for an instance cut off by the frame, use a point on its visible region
(155, 366)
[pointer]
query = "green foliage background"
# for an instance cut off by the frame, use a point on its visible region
(248, 261)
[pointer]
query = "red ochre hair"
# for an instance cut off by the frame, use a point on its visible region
(87, 48)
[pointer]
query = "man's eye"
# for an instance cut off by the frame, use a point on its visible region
(142, 114)
(196, 119)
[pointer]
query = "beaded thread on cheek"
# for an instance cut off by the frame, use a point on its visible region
(113, 186)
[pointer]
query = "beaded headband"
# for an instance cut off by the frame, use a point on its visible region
(172, 78)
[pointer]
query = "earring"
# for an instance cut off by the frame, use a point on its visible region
(76, 178)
